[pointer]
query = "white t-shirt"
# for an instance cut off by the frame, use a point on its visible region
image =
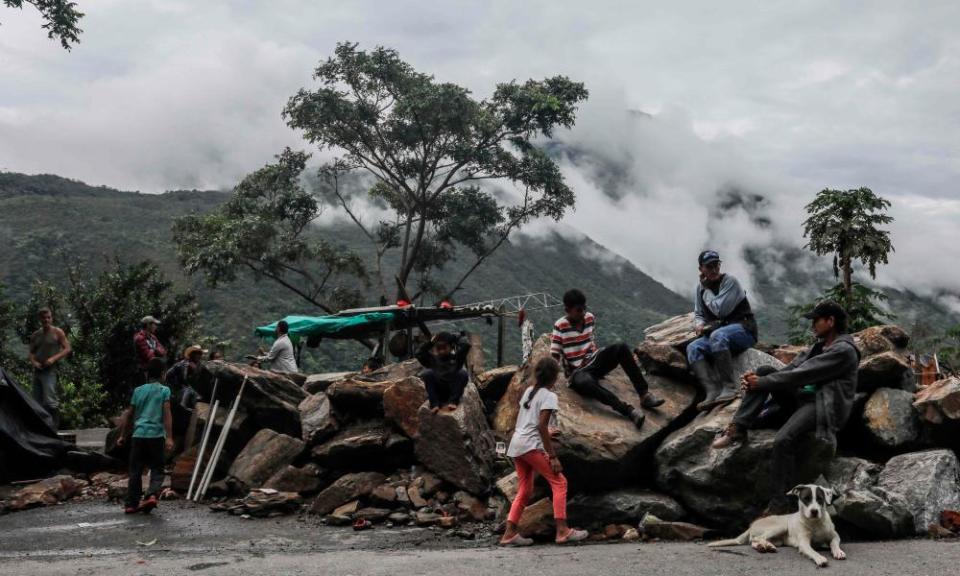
(526, 437)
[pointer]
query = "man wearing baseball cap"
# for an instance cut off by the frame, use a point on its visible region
(147, 344)
(725, 325)
(816, 389)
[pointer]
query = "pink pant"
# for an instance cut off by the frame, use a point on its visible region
(528, 465)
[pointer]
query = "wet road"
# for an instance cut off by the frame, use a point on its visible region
(94, 539)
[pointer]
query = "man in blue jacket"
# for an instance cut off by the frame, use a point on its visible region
(725, 325)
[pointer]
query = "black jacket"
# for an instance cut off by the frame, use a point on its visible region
(444, 369)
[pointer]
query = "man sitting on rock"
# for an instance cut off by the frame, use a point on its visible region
(816, 389)
(445, 378)
(572, 344)
(725, 326)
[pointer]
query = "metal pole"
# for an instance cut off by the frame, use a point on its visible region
(218, 448)
(211, 416)
(500, 334)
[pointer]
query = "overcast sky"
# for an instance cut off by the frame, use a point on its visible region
(781, 98)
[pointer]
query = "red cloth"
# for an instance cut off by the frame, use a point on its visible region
(147, 347)
(528, 465)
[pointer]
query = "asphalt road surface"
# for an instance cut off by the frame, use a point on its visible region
(95, 539)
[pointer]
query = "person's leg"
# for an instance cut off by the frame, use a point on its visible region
(801, 423)
(135, 481)
(748, 411)
(698, 350)
(432, 383)
(540, 463)
(585, 384)
(724, 342)
(525, 477)
(156, 463)
(457, 386)
(620, 354)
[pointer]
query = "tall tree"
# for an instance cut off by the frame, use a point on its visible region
(450, 171)
(846, 224)
(61, 18)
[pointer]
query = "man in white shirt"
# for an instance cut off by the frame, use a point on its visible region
(281, 356)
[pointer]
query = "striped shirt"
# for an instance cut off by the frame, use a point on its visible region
(576, 346)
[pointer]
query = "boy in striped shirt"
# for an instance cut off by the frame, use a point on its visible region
(572, 344)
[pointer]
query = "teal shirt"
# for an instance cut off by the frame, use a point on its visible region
(147, 403)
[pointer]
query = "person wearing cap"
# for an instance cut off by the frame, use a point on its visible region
(147, 344)
(281, 356)
(817, 390)
(181, 375)
(725, 326)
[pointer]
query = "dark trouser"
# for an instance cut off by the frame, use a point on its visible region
(586, 381)
(802, 421)
(145, 453)
(444, 391)
(46, 394)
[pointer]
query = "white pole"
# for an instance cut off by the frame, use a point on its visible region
(211, 415)
(218, 448)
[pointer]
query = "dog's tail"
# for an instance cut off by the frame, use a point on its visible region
(738, 541)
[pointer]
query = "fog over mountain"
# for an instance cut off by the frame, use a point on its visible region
(708, 123)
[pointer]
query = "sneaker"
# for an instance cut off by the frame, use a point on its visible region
(649, 401)
(731, 435)
(148, 504)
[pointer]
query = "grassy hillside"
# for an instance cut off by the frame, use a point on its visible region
(40, 215)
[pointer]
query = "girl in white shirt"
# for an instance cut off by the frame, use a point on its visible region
(533, 452)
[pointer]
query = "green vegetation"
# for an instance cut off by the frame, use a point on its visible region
(61, 18)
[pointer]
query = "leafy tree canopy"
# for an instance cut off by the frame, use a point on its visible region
(61, 18)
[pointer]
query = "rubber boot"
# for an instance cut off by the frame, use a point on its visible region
(723, 361)
(701, 370)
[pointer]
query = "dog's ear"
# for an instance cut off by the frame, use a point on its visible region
(795, 491)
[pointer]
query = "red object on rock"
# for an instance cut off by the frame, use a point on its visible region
(950, 519)
(403, 303)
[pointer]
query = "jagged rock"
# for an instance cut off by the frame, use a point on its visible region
(317, 419)
(929, 481)
(266, 454)
(427, 518)
(627, 506)
(401, 404)
(267, 503)
(885, 370)
(890, 419)
(338, 520)
(845, 473)
(940, 402)
(787, 354)
(493, 383)
(677, 331)
(393, 372)
(429, 484)
(458, 446)
(879, 339)
(384, 495)
(47, 492)
(416, 500)
(509, 485)
(399, 518)
(316, 383)
(598, 447)
(751, 359)
(270, 399)
(537, 520)
(470, 506)
(346, 488)
(358, 397)
(183, 466)
(474, 362)
(876, 512)
(656, 528)
(711, 482)
(375, 515)
(364, 445)
(348, 509)
(303, 480)
(664, 359)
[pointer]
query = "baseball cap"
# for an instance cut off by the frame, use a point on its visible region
(825, 309)
(708, 256)
(149, 320)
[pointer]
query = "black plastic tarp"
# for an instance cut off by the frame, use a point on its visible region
(29, 446)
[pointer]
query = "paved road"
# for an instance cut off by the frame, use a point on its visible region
(93, 539)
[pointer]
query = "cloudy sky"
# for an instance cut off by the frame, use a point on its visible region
(779, 98)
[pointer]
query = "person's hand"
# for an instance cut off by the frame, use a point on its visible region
(554, 432)
(750, 381)
(47, 363)
(168, 444)
(121, 440)
(555, 465)
(699, 330)
(37, 365)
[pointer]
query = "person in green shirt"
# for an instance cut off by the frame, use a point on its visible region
(151, 420)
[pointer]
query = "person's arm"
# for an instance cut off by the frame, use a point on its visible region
(143, 349)
(168, 426)
(273, 353)
(160, 351)
(556, 344)
(126, 422)
(728, 297)
(32, 355)
(463, 348)
(424, 356)
(543, 427)
(817, 370)
(65, 348)
(698, 320)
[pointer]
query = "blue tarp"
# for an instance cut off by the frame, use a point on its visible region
(331, 326)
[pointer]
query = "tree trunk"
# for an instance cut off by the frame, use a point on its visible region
(848, 282)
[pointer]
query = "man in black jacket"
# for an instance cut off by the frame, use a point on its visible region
(817, 389)
(444, 378)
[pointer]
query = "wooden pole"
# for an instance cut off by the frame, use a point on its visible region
(500, 334)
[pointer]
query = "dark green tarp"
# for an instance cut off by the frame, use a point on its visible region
(331, 326)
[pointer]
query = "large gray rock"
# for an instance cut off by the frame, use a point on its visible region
(316, 419)
(303, 480)
(599, 448)
(929, 481)
(458, 446)
(401, 404)
(269, 398)
(316, 383)
(242, 428)
(267, 453)
(884, 362)
(345, 489)
(627, 506)
(677, 331)
(663, 359)
(364, 446)
(844, 474)
(875, 512)
(492, 384)
(356, 396)
(711, 483)
(890, 420)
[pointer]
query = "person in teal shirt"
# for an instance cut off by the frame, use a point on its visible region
(151, 420)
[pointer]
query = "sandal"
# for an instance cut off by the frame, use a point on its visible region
(516, 541)
(573, 535)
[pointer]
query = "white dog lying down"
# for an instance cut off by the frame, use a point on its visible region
(805, 528)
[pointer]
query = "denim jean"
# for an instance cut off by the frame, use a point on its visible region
(732, 337)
